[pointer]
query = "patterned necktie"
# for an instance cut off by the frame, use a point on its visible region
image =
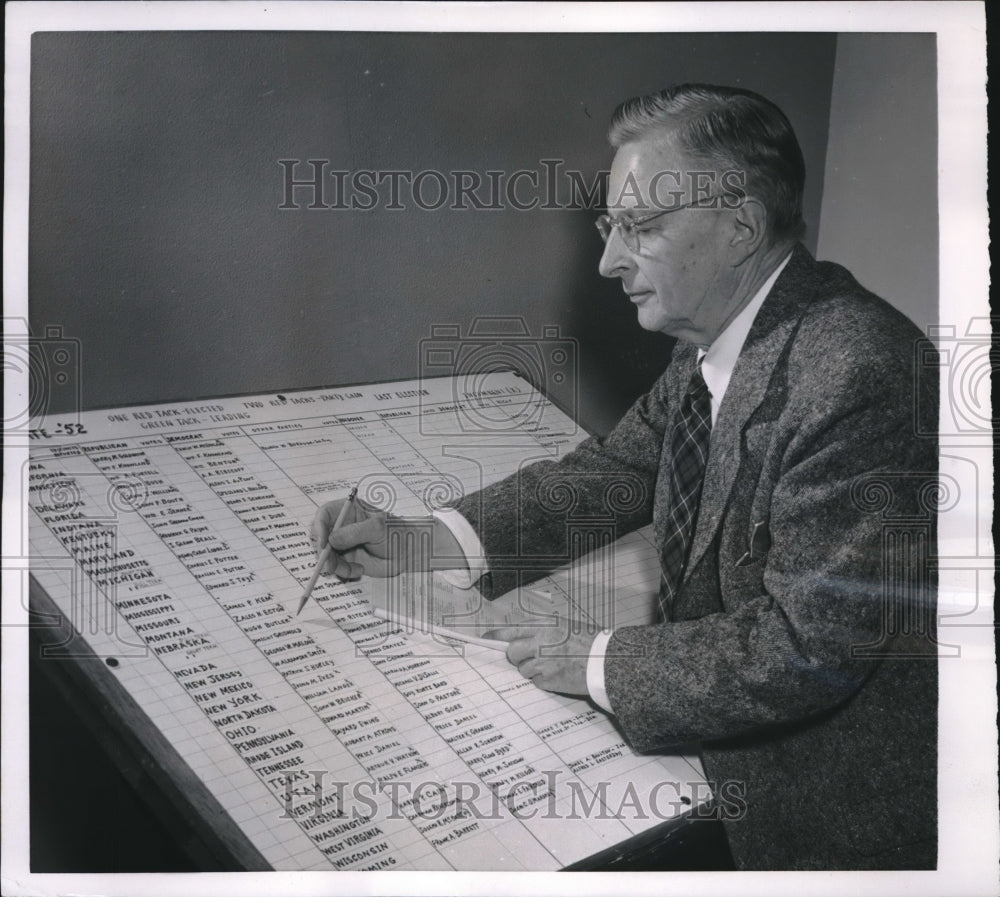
(689, 441)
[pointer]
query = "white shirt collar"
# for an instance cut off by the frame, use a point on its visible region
(720, 357)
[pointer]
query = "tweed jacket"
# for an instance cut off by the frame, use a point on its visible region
(799, 650)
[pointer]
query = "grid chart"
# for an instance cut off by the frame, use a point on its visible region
(175, 538)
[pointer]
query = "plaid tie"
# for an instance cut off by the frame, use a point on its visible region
(689, 441)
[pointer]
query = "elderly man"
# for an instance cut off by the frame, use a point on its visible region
(789, 398)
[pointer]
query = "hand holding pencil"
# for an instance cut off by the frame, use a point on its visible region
(326, 551)
(360, 545)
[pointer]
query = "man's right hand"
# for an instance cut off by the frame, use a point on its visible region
(361, 547)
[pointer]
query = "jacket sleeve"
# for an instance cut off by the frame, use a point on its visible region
(526, 521)
(785, 649)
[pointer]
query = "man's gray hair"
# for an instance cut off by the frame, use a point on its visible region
(727, 129)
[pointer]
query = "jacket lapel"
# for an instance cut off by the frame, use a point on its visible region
(774, 325)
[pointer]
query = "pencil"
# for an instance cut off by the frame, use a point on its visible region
(425, 628)
(325, 553)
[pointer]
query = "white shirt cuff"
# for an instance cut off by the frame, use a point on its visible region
(472, 548)
(595, 671)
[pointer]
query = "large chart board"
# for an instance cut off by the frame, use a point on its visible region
(175, 538)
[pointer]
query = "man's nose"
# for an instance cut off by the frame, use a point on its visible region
(616, 259)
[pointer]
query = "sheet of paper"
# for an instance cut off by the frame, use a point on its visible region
(175, 538)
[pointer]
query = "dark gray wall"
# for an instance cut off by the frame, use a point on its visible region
(157, 238)
(880, 202)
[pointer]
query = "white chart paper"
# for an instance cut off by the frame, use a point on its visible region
(176, 539)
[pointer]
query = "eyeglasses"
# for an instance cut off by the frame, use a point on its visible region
(630, 228)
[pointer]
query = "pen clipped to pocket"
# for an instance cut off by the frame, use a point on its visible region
(758, 543)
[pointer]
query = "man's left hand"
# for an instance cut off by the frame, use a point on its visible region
(554, 661)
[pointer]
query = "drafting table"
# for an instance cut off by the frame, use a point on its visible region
(169, 547)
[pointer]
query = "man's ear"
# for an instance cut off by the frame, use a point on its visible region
(749, 229)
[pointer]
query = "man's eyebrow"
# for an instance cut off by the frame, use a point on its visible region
(638, 215)
(629, 214)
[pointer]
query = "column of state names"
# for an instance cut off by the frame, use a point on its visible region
(336, 740)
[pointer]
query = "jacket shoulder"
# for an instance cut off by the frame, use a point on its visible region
(845, 327)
